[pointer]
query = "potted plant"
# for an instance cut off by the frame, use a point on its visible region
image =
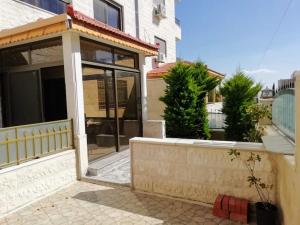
(266, 212)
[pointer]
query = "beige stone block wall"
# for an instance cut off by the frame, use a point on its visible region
(156, 89)
(23, 184)
(154, 129)
(196, 172)
(288, 187)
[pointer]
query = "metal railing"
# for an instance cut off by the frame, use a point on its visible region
(177, 21)
(216, 120)
(23, 143)
(283, 112)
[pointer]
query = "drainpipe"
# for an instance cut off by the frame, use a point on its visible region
(137, 19)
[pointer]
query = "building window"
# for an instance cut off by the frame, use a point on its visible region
(47, 51)
(55, 6)
(122, 91)
(92, 51)
(125, 58)
(108, 13)
(162, 45)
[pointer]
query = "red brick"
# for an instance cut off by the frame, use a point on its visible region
(221, 213)
(239, 217)
(218, 202)
(225, 203)
(237, 208)
(244, 207)
(231, 204)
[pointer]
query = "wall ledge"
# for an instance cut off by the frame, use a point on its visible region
(36, 161)
(250, 146)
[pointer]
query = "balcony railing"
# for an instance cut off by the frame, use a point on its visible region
(177, 21)
(283, 112)
(23, 143)
(216, 120)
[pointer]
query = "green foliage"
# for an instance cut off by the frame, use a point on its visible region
(254, 114)
(185, 112)
(239, 93)
(250, 163)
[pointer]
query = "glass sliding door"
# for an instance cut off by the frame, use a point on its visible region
(128, 110)
(99, 106)
(112, 109)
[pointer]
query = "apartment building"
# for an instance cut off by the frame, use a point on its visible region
(74, 79)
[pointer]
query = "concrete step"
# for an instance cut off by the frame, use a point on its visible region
(95, 168)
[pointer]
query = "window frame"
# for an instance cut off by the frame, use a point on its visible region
(114, 5)
(162, 40)
(136, 55)
(65, 2)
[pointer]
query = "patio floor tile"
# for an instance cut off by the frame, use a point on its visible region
(90, 204)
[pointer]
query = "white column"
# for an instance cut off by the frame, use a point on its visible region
(297, 119)
(74, 93)
(144, 95)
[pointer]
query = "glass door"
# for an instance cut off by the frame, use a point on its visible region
(99, 106)
(128, 110)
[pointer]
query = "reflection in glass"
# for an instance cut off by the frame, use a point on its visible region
(99, 113)
(46, 52)
(124, 58)
(128, 98)
(91, 51)
(15, 57)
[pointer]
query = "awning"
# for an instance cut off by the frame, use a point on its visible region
(78, 22)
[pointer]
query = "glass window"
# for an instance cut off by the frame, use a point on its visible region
(46, 52)
(107, 13)
(162, 45)
(15, 57)
(124, 58)
(94, 52)
(55, 6)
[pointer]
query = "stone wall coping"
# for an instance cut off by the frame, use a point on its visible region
(36, 161)
(247, 146)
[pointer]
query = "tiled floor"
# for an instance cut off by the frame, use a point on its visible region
(90, 204)
(114, 168)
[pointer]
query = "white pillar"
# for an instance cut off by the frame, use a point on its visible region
(297, 119)
(74, 93)
(144, 95)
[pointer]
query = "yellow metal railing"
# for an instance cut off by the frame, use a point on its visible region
(23, 143)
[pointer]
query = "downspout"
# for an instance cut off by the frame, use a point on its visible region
(137, 19)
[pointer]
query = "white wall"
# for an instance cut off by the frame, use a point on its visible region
(196, 170)
(15, 13)
(21, 185)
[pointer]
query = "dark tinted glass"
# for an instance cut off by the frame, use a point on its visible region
(124, 58)
(100, 11)
(107, 13)
(46, 52)
(91, 51)
(15, 57)
(113, 17)
(55, 6)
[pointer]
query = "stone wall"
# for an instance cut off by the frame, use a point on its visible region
(154, 129)
(195, 170)
(27, 182)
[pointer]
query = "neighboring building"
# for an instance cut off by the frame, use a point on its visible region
(86, 61)
(156, 89)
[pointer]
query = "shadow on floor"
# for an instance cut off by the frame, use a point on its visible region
(166, 210)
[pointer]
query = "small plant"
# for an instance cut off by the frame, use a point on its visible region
(250, 163)
(255, 113)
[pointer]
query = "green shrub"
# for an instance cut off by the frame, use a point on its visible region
(186, 88)
(239, 94)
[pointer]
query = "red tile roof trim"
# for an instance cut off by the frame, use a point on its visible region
(76, 15)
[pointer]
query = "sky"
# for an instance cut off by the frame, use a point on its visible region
(259, 37)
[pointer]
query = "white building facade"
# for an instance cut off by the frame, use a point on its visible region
(73, 78)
